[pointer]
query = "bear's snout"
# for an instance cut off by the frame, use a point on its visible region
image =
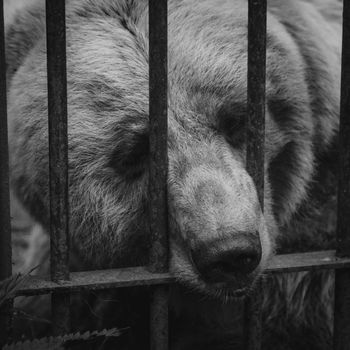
(223, 260)
(220, 243)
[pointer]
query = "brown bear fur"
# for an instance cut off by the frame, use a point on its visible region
(210, 193)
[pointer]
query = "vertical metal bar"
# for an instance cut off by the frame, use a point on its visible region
(256, 93)
(158, 112)
(342, 276)
(159, 318)
(58, 148)
(255, 133)
(5, 223)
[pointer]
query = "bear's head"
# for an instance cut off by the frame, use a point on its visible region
(220, 238)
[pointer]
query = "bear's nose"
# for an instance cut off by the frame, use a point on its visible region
(222, 260)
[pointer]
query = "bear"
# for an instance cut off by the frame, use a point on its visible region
(221, 240)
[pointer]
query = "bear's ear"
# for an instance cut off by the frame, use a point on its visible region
(24, 27)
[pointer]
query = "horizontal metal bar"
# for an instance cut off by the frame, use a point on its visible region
(92, 280)
(140, 276)
(307, 261)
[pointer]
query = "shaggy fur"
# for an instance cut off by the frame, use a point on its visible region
(211, 196)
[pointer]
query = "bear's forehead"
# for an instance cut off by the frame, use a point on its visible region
(202, 48)
(207, 65)
(207, 59)
(206, 42)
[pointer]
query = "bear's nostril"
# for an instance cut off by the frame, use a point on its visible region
(222, 261)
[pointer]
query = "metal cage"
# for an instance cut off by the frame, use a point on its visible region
(62, 282)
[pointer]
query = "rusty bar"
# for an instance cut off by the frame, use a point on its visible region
(159, 318)
(58, 148)
(255, 130)
(255, 138)
(342, 276)
(95, 280)
(140, 276)
(158, 116)
(310, 261)
(5, 223)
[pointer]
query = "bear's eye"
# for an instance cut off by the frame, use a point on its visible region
(231, 122)
(130, 158)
